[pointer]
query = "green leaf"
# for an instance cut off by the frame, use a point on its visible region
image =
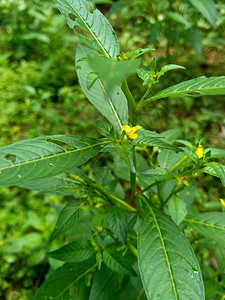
(151, 138)
(74, 252)
(171, 67)
(215, 153)
(114, 108)
(118, 223)
(116, 262)
(68, 217)
(77, 15)
(132, 54)
(211, 225)
(167, 158)
(57, 286)
(111, 72)
(220, 259)
(43, 157)
(159, 174)
(103, 128)
(194, 87)
(216, 170)
(177, 209)
(178, 18)
(207, 8)
(126, 153)
(105, 284)
(57, 185)
(167, 263)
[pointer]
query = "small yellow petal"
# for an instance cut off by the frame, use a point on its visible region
(222, 202)
(199, 151)
(134, 129)
(133, 136)
(126, 128)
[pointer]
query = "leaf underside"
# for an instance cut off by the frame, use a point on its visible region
(113, 107)
(167, 263)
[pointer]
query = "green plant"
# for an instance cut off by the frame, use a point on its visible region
(124, 225)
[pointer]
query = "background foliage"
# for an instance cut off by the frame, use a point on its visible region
(40, 95)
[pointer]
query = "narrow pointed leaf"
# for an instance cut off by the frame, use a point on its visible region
(167, 263)
(94, 23)
(42, 157)
(68, 217)
(118, 223)
(207, 8)
(105, 284)
(211, 225)
(57, 286)
(113, 107)
(117, 262)
(74, 252)
(170, 68)
(194, 87)
(151, 138)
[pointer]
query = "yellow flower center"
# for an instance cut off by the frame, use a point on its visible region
(131, 131)
(199, 151)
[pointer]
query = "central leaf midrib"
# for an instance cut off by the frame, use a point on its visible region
(164, 249)
(52, 156)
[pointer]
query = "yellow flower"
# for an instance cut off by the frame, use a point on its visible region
(131, 131)
(222, 202)
(199, 151)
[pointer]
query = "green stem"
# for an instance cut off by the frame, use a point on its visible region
(131, 102)
(140, 294)
(132, 249)
(179, 163)
(149, 186)
(112, 198)
(143, 98)
(134, 185)
(174, 191)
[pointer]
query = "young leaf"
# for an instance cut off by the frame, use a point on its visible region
(103, 128)
(177, 209)
(105, 284)
(168, 158)
(118, 223)
(169, 68)
(150, 138)
(211, 225)
(194, 87)
(44, 157)
(160, 174)
(77, 14)
(216, 170)
(57, 286)
(207, 8)
(126, 153)
(74, 252)
(117, 262)
(167, 263)
(69, 216)
(111, 72)
(114, 108)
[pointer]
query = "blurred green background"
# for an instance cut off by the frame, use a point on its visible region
(40, 95)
